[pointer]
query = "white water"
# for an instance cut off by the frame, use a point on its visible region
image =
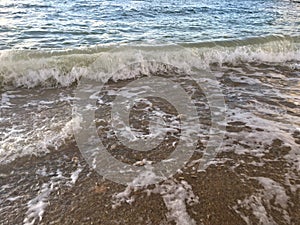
(33, 68)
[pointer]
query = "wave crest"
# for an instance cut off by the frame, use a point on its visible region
(27, 68)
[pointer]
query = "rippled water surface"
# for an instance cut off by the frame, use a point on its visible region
(238, 61)
(57, 24)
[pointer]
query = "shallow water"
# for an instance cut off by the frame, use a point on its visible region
(237, 67)
(259, 157)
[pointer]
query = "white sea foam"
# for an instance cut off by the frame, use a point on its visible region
(18, 141)
(36, 207)
(269, 131)
(75, 174)
(5, 103)
(140, 182)
(260, 203)
(176, 196)
(30, 69)
(269, 52)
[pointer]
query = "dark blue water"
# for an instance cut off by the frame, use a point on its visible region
(33, 24)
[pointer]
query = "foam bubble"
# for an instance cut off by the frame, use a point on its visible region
(34, 68)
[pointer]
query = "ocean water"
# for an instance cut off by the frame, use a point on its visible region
(198, 100)
(69, 24)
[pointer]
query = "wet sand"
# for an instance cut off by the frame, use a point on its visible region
(89, 200)
(254, 179)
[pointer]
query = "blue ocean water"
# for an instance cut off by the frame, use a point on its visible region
(35, 24)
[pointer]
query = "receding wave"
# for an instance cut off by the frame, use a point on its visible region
(30, 68)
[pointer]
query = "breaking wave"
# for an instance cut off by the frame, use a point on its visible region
(30, 68)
